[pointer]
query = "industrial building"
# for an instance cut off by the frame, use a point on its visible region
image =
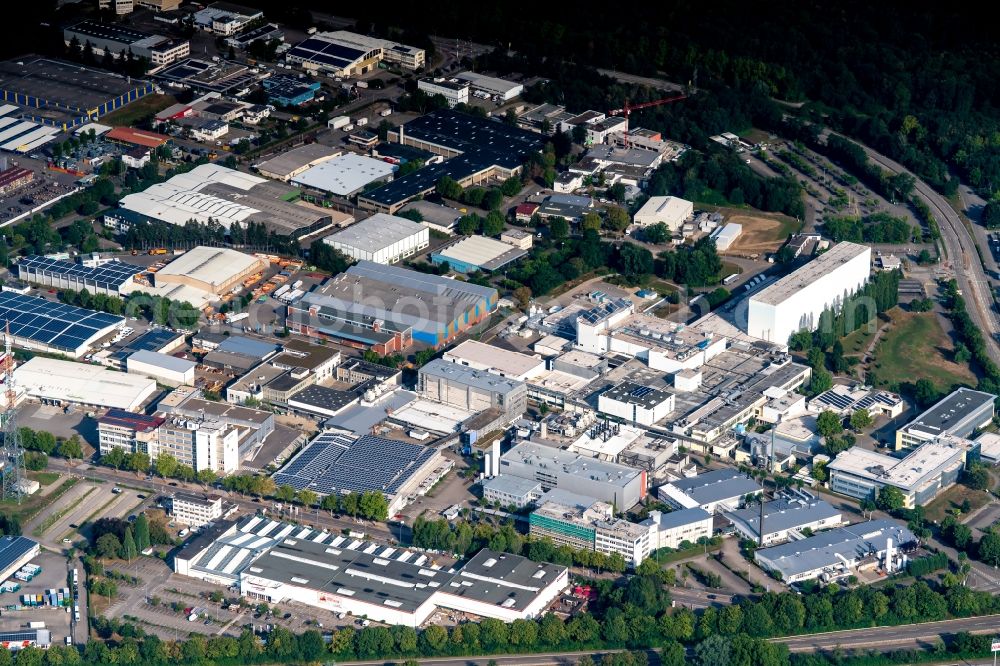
(337, 462)
(495, 360)
(346, 54)
(960, 413)
(490, 86)
(454, 91)
(195, 510)
(226, 196)
(437, 216)
(46, 326)
(618, 485)
(255, 425)
(128, 136)
(345, 175)
(64, 94)
(726, 235)
(129, 431)
(928, 470)
(277, 562)
(286, 165)
(381, 239)
(289, 90)
(593, 528)
(840, 552)
(386, 308)
(845, 400)
(511, 491)
(164, 368)
(644, 405)
(15, 552)
(14, 178)
(64, 382)
(117, 40)
(785, 518)
(715, 491)
(671, 211)
(225, 19)
(207, 76)
(475, 149)
(213, 270)
(472, 390)
(675, 528)
(202, 443)
(112, 278)
(477, 253)
(796, 301)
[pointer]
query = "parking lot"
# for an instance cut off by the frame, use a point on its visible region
(57, 620)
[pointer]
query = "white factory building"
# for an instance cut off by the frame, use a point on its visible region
(490, 86)
(345, 175)
(715, 491)
(796, 301)
(671, 211)
(640, 404)
(454, 91)
(278, 562)
(675, 527)
(164, 368)
(497, 361)
(382, 238)
(65, 382)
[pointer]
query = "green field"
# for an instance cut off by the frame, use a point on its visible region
(952, 499)
(915, 348)
(142, 107)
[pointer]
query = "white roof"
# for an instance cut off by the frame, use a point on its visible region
(98, 128)
(510, 363)
(211, 265)
(82, 383)
(666, 209)
(377, 232)
(730, 230)
(824, 264)
(179, 199)
(989, 445)
(476, 250)
(160, 360)
(345, 174)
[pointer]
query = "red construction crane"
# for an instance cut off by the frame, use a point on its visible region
(627, 109)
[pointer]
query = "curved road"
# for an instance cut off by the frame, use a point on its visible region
(960, 248)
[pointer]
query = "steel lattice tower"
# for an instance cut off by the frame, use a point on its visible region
(13, 454)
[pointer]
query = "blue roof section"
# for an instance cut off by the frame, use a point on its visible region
(404, 277)
(110, 275)
(153, 340)
(244, 346)
(13, 548)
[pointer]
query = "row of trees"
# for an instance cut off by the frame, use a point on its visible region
(972, 337)
(370, 505)
(876, 228)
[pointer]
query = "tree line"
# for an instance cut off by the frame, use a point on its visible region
(876, 228)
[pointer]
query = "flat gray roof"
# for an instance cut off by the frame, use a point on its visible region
(783, 514)
(553, 459)
(377, 232)
(297, 158)
(674, 519)
(511, 485)
(951, 411)
(717, 485)
(165, 361)
(825, 263)
(637, 394)
(465, 375)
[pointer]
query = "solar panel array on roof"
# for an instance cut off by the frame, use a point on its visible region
(836, 400)
(337, 462)
(57, 325)
(324, 52)
(13, 548)
(110, 276)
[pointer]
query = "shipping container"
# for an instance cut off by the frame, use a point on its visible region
(338, 122)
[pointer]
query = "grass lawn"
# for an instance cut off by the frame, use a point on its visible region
(915, 348)
(857, 342)
(44, 478)
(140, 108)
(30, 507)
(952, 499)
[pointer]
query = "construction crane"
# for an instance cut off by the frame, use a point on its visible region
(627, 109)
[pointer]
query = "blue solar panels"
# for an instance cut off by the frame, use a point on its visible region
(13, 549)
(109, 276)
(340, 463)
(326, 53)
(57, 325)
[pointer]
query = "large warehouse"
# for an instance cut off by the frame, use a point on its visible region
(796, 301)
(345, 175)
(64, 94)
(386, 308)
(45, 326)
(213, 192)
(671, 211)
(345, 54)
(64, 382)
(284, 166)
(339, 463)
(114, 278)
(277, 562)
(214, 270)
(477, 253)
(383, 239)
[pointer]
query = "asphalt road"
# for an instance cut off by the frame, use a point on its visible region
(960, 248)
